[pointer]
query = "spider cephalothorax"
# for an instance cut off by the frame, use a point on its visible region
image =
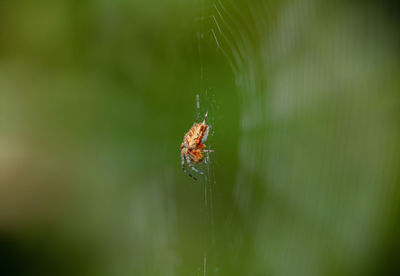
(192, 148)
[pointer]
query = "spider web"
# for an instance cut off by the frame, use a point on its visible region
(307, 101)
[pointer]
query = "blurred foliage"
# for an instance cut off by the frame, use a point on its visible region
(303, 102)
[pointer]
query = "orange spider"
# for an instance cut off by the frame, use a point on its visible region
(192, 148)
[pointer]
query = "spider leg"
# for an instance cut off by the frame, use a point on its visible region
(205, 117)
(208, 154)
(205, 135)
(183, 168)
(191, 166)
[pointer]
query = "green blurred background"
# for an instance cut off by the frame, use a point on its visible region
(303, 101)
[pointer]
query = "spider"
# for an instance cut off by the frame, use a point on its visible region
(192, 147)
